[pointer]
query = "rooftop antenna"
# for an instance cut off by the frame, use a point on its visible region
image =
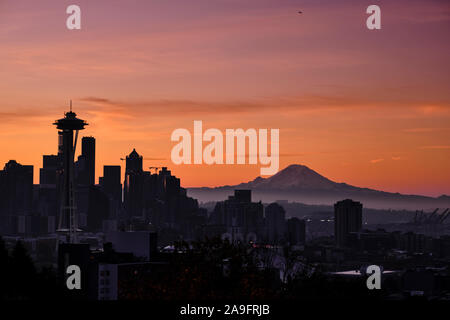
(70, 105)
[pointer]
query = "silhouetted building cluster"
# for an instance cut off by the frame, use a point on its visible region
(151, 209)
(240, 219)
(407, 242)
(157, 200)
(147, 201)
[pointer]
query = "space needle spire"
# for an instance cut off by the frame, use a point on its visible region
(68, 220)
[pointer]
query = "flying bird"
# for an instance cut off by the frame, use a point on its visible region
(300, 12)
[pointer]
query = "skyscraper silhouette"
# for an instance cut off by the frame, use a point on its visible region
(275, 222)
(347, 218)
(133, 162)
(88, 151)
(133, 193)
(16, 194)
(111, 182)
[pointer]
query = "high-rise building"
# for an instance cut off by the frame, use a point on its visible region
(50, 183)
(296, 231)
(110, 182)
(85, 165)
(347, 218)
(98, 208)
(50, 166)
(111, 186)
(88, 152)
(133, 193)
(239, 218)
(133, 162)
(275, 222)
(16, 195)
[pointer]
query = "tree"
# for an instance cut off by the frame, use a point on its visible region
(5, 280)
(23, 272)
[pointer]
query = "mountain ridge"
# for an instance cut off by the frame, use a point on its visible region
(299, 183)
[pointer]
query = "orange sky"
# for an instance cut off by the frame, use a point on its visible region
(371, 108)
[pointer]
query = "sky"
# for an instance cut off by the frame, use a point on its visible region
(367, 107)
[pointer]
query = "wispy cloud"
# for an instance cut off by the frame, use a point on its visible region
(307, 103)
(435, 147)
(376, 160)
(396, 158)
(421, 130)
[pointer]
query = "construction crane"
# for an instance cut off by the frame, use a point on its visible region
(434, 217)
(444, 215)
(145, 159)
(430, 217)
(155, 168)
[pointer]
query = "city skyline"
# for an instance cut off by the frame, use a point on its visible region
(367, 108)
(216, 158)
(99, 167)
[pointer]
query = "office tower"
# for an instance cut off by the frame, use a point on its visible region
(275, 222)
(296, 231)
(347, 218)
(48, 173)
(133, 162)
(88, 152)
(16, 195)
(49, 192)
(239, 218)
(98, 208)
(85, 181)
(110, 182)
(68, 219)
(166, 203)
(85, 165)
(112, 188)
(133, 193)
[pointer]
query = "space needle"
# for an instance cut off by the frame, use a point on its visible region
(68, 221)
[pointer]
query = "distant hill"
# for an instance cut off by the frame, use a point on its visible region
(302, 184)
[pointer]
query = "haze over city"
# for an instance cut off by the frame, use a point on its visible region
(371, 109)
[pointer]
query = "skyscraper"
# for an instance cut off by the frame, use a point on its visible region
(275, 222)
(239, 217)
(133, 193)
(347, 218)
(296, 231)
(48, 173)
(133, 162)
(111, 186)
(16, 195)
(88, 152)
(111, 182)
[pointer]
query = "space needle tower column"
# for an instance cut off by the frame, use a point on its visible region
(68, 222)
